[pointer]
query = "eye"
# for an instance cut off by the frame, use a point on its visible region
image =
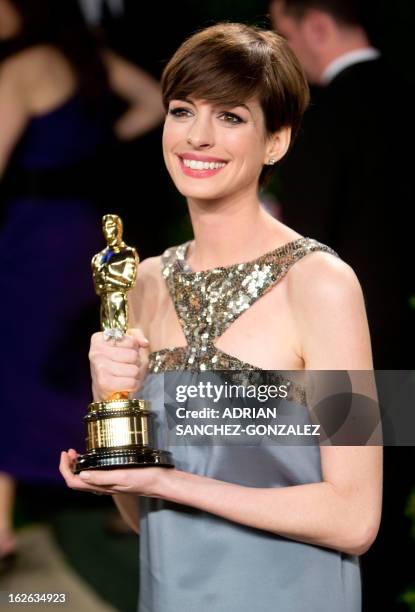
(180, 112)
(231, 118)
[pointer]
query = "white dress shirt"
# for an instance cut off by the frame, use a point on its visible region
(348, 59)
(93, 9)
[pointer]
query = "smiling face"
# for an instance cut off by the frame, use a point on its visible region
(212, 152)
(233, 95)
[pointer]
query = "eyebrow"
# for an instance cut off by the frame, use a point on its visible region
(245, 106)
(233, 105)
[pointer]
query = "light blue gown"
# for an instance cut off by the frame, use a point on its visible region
(194, 561)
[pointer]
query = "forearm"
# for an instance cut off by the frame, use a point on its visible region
(312, 513)
(128, 507)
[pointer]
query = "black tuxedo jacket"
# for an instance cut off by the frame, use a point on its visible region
(348, 182)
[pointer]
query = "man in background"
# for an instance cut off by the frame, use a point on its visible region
(347, 181)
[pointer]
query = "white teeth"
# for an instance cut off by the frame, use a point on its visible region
(199, 165)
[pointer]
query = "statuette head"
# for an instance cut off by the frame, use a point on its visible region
(112, 227)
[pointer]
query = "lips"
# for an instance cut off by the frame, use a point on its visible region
(202, 158)
(200, 166)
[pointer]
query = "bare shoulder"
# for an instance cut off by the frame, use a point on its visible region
(34, 58)
(321, 278)
(42, 74)
(327, 304)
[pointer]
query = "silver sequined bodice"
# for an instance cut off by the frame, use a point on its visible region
(208, 302)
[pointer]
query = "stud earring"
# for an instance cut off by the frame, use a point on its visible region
(271, 162)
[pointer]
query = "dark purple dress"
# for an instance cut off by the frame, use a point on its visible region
(50, 231)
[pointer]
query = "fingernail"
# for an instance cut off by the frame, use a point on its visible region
(85, 475)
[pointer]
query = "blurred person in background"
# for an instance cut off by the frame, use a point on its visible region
(55, 90)
(348, 182)
(125, 30)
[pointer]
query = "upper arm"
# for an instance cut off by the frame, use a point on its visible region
(330, 314)
(132, 82)
(334, 335)
(144, 297)
(14, 112)
(142, 301)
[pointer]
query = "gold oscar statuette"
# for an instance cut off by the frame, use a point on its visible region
(118, 430)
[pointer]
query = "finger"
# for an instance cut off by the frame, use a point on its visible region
(86, 488)
(109, 478)
(128, 341)
(124, 355)
(74, 481)
(65, 466)
(115, 377)
(120, 383)
(125, 370)
(134, 338)
(139, 336)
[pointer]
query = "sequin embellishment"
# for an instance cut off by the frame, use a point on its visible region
(208, 302)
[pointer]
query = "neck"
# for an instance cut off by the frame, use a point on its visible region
(230, 232)
(350, 39)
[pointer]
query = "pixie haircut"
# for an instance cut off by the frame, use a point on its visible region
(230, 63)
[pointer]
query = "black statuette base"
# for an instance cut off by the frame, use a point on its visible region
(108, 459)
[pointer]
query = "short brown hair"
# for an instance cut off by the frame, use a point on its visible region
(229, 63)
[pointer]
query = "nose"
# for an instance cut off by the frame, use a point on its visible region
(201, 133)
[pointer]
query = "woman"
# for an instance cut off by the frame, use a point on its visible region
(240, 528)
(54, 98)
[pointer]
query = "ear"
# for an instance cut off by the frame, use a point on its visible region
(318, 27)
(277, 145)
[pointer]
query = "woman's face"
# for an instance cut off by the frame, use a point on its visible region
(10, 21)
(211, 151)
